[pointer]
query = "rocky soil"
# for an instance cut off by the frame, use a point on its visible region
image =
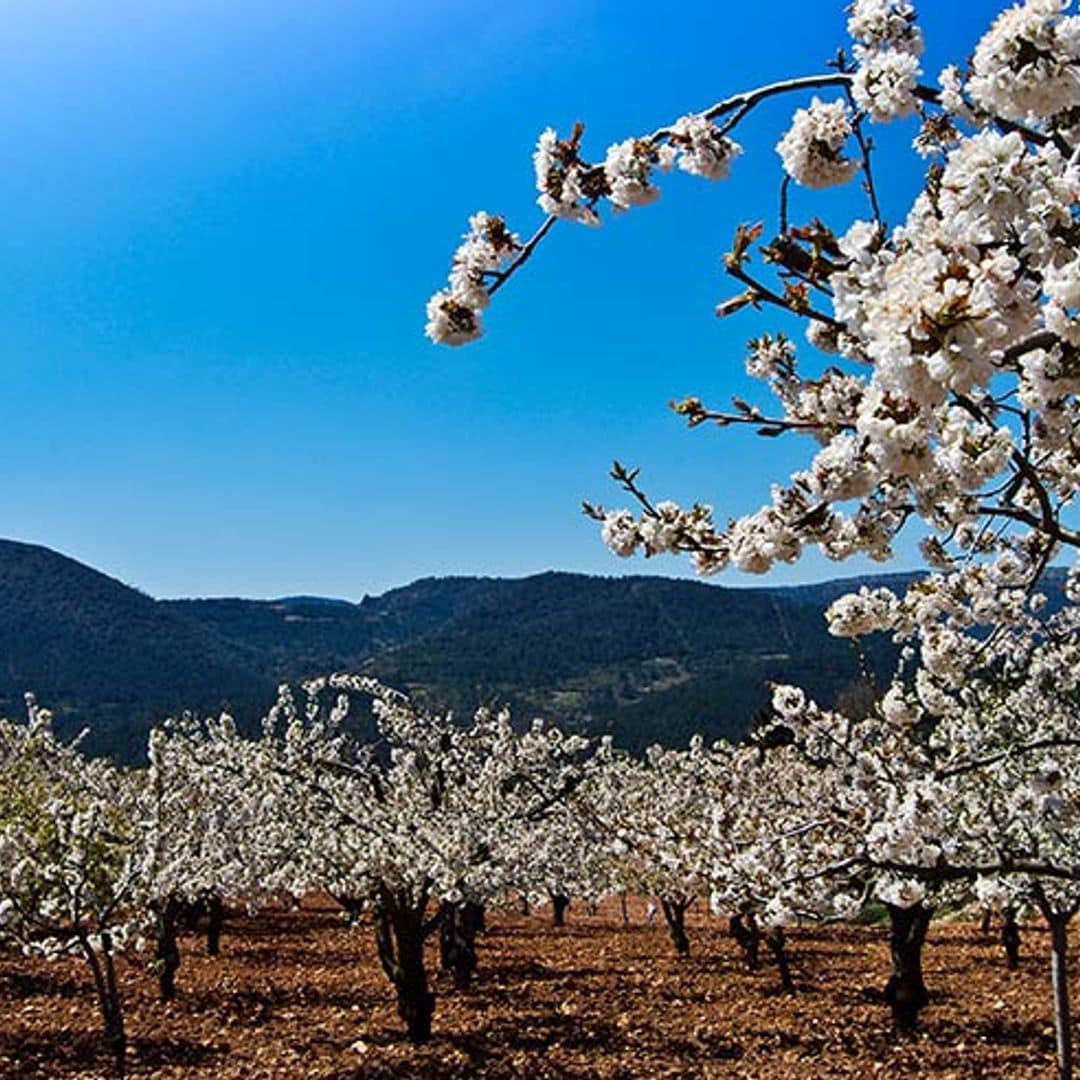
(301, 995)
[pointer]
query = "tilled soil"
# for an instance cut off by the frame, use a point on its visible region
(301, 995)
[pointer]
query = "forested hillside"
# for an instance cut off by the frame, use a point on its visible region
(647, 659)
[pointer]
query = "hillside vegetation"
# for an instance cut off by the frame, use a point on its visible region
(644, 658)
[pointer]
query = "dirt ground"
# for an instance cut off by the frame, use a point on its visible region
(301, 995)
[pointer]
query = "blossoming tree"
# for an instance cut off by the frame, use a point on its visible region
(431, 817)
(69, 877)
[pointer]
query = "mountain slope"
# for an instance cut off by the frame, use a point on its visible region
(644, 658)
(101, 653)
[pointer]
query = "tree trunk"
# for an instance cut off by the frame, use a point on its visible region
(108, 994)
(559, 904)
(215, 919)
(905, 991)
(1059, 979)
(1010, 938)
(189, 914)
(675, 917)
(399, 935)
(353, 907)
(984, 925)
(458, 926)
(625, 909)
(166, 948)
(776, 940)
(744, 929)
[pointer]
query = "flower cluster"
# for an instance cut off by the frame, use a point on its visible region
(1026, 66)
(628, 171)
(454, 313)
(812, 149)
(568, 186)
(703, 149)
(888, 44)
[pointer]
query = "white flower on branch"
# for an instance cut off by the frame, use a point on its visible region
(628, 170)
(884, 84)
(885, 24)
(561, 178)
(703, 150)
(812, 149)
(1028, 62)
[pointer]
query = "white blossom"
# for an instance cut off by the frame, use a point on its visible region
(812, 148)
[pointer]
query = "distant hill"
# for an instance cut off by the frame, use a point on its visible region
(646, 659)
(103, 654)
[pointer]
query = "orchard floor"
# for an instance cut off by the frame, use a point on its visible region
(300, 995)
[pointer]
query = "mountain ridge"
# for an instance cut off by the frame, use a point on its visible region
(642, 658)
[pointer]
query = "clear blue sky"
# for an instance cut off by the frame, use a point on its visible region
(221, 222)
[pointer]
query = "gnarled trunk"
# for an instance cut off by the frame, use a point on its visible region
(744, 929)
(166, 947)
(1058, 922)
(459, 923)
(559, 904)
(777, 942)
(675, 917)
(108, 995)
(1010, 938)
(400, 930)
(905, 991)
(1059, 979)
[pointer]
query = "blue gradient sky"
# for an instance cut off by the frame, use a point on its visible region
(221, 221)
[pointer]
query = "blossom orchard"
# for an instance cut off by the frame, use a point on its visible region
(430, 822)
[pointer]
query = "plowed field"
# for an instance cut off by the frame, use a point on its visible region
(300, 994)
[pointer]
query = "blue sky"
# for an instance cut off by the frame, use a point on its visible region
(221, 224)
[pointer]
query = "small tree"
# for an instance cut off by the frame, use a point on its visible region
(67, 874)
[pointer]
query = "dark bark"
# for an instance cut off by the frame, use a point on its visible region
(625, 909)
(353, 908)
(984, 925)
(458, 926)
(109, 1002)
(675, 917)
(559, 904)
(215, 919)
(905, 991)
(166, 948)
(190, 912)
(1010, 938)
(1059, 977)
(744, 929)
(777, 942)
(400, 930)
(1058, 921)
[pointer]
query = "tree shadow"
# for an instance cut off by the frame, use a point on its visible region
(161, 1053)
(45, 1056)
(495, 1051)
(15, 985)
(258, 1006)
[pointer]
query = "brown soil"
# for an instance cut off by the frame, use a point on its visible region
(301, 995)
